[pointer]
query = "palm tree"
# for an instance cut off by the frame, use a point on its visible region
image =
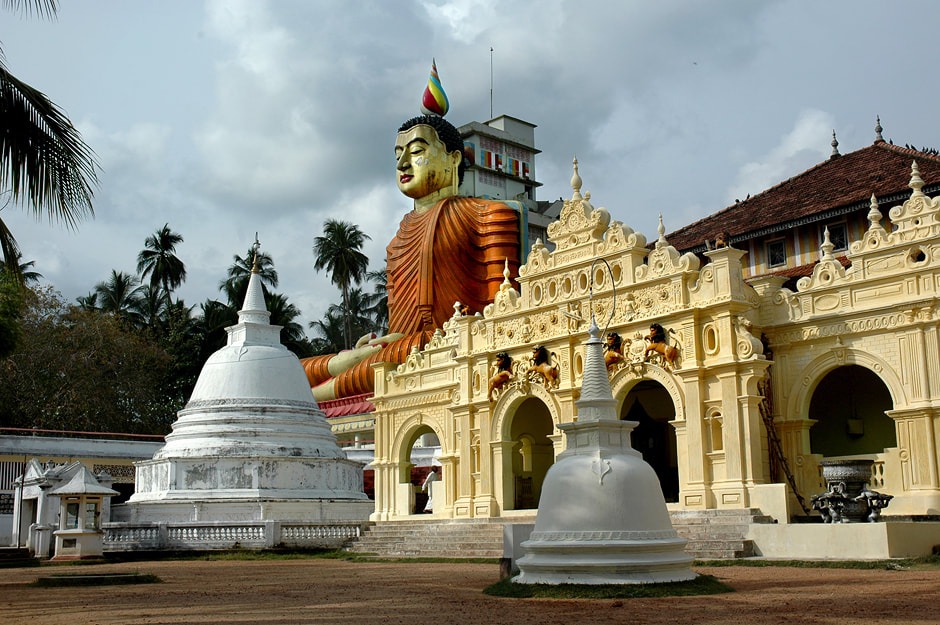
(359, 320)
(216, 316)
(88, 302)
(120, 295)
(285, 314)
(236, 285)
(152, 305)
(377, 301)
(339, 251)
(23, 272)
(158, 260)
(43, 161)
(328, 333)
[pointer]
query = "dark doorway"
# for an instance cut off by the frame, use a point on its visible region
(849, 406)
(650, 405)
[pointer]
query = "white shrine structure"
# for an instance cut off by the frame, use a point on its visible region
(602, 516)
(251, 461)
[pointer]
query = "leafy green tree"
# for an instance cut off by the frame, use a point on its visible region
(328, 333)
(23, 271)
(158, 260)
(88, 302)
(339, 251)
(357, 314)
(376, 303)
(11, 308)
(151, 305)
(120, 295)
(84, 371)
(285, 314)
(236, 285)
(44, 163)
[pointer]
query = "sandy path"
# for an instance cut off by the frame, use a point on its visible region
(331, 591)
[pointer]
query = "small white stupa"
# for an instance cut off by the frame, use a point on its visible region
(251, 444)
(602, 518)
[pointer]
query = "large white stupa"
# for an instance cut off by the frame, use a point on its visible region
(251, 443)
(602, 518)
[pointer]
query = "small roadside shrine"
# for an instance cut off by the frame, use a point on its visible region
(65, 502)
(81, 500)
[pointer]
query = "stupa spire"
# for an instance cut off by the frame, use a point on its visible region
(254, 310)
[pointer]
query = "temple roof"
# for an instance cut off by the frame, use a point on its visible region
(839, 185)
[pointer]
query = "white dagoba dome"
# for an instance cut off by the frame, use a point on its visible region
(252, 397)
(602, 518)
(251, 442)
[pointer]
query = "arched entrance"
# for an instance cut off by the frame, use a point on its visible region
(849, 406)
(650, 404)
(422, 445)
(532, 452)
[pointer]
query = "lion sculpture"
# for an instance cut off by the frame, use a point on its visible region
(502, 375)
(542, 364)
(658, 345)
(613, 350)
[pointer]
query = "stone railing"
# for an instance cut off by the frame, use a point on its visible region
(228, 535)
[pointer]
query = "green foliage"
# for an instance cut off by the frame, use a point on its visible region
(44, 163)
(83, 370)
(339, 251)
(11, 306)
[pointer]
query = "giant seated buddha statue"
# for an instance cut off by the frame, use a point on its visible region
(448, 249)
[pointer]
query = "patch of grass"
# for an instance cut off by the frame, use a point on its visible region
(103, 579)
(702, 585)
(925, 562)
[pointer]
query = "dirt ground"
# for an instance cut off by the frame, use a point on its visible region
(332, 591)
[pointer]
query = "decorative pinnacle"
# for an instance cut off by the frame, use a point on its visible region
(255, 247)
(434, 100)
(661, 229)
(576, 180)
(827, 246)
(916, 181)
(835, 145)
(878, 129)
(874, 215)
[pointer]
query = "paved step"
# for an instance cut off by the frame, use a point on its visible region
(717, 534)
(433, 539)
(16, 557)
(711, 535)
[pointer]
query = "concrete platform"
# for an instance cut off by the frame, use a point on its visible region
(844, 541)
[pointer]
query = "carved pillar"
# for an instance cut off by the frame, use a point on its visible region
(689, 442)
(917, 432)
(503, 488)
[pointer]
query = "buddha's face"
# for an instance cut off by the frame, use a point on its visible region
(424, 165)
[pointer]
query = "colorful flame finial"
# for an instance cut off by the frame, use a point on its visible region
(434, 101)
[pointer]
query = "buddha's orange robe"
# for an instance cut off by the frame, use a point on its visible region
(453, 252)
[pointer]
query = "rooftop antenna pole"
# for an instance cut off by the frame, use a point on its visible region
(491, 82)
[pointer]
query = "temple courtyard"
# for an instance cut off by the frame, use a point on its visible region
(334, 591)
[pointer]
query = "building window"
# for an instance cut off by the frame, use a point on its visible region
(71, 516)
(92, 514)
(838, 236)
(776, 253)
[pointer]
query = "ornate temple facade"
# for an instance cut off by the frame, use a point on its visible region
(757, 382)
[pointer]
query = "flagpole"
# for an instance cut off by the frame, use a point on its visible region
(491, 82)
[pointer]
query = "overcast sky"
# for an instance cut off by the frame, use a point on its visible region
(225, 118)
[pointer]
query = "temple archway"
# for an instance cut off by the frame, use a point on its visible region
(650, 404)
(532, 453)
(849, 405)
(418, 446)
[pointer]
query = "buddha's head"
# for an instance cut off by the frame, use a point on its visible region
(429, 158)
